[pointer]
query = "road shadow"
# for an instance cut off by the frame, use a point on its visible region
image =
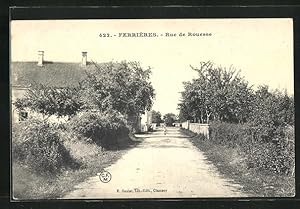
(165, 136)
(125, 144)
(172, 139)
(154, 139)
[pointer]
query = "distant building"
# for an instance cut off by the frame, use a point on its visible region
(146, 121)
(149, 117)
(49, 73)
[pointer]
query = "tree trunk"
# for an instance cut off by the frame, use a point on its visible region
(207, 117)
(201, 117)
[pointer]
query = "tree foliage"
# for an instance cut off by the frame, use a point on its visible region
(103, 128)
(156, 117)
(222, 94)
(124, 87)
(50, 100)
(260, 122)
(38, 145)
(169, 119)
(218, 93)
(271, 113)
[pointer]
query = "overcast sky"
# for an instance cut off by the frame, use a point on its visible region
(261, 48)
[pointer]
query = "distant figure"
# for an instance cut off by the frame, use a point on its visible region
(165, 129)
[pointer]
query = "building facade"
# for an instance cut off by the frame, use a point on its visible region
(49, 73)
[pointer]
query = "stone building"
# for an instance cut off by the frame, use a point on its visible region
(49, 73)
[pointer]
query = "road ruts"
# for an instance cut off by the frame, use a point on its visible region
(162, 166)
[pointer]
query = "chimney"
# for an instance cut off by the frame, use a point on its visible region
(40, 58)
(84, 59)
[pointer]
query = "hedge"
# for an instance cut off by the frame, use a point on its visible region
(105, 129)
(36, 144)
(275, 155)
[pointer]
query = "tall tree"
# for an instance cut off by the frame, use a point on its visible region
(272, 112)
(123, 86)
(169, 119)
(51, 101)
(156, 117)
(218, 93)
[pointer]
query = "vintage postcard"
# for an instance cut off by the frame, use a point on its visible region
(152, 108)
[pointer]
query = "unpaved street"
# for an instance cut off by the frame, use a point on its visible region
(162, 166)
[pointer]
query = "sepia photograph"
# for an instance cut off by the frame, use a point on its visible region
(152, 108)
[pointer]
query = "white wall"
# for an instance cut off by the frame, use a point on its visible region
(198, 128)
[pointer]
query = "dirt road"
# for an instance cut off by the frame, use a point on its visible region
(162, 166)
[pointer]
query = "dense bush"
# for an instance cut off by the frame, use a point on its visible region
(275, 156)
(49, 100)
(256, 121)
(230, 134)
(37, 145)
(223, 94)
(105, 129)
(169, 119)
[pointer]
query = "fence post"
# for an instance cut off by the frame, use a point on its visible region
(208, 131)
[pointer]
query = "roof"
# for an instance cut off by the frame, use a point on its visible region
(54, 74)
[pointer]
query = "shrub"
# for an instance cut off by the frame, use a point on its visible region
(105, 129)
(230, 134)
(37, 145)
(275, 156)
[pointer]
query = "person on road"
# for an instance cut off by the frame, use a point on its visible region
(165, 129)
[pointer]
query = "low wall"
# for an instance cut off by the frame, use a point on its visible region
(198, 128)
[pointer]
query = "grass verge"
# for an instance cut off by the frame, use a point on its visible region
(93, 159)
(231, 163)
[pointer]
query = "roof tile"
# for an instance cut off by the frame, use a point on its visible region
(54, 74)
